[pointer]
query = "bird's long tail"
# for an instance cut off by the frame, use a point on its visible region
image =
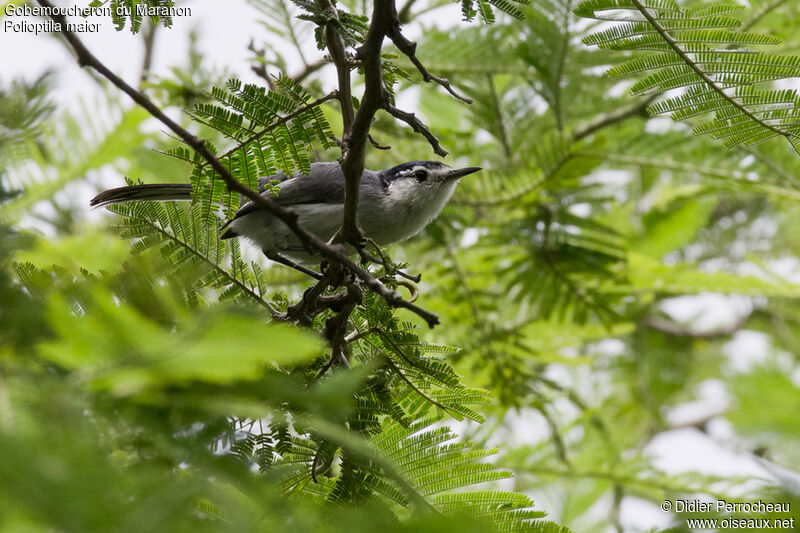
(153, 193)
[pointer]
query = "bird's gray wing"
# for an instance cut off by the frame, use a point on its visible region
(324, 184)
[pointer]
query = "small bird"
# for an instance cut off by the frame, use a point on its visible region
(394, 205)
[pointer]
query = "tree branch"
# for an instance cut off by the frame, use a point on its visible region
(308, 70)
(417, 125)
(313, 243)
(604, 120)
(355, 138)
(260, 69)
(149, 42)
(669, 327)
(498, 111)
(336, 48)
(409, 48)
(405, 12)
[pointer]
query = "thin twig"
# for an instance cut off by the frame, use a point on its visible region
(260, 69)
(409, 48)
(404, 15)
(336, 326)
(555, 435)
(149, 42)
(355, 137)
(375, 144)
(498, 111)
(417, 125)
(759, 14)
(639, 109)
(336, 48)
(308, 70)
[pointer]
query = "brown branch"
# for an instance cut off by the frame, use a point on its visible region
(336, 326)
(375, 144)
(336, 48)
(498, 111)
(638, 109)
(409, 48)
(313, 243)
(304, 311)
(260, 68)
(355, 138)
(417, 125)
(404, 15)
(680, 330)
(149, 42)
(308, 70)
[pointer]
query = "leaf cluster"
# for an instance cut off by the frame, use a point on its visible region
(704, 52)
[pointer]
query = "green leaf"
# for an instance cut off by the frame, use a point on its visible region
(117, 348)
(675, 227)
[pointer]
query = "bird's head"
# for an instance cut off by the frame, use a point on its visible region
(425, 175)
(414, 194)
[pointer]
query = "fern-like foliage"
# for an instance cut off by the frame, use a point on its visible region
(435, 465)
(703, 52)
(416, 375)
(271, 131)
(352, 28)
(471, 8)
(193, 248)
(554, 260)
(71, 150)
(159, 11)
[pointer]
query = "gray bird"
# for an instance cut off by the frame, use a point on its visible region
(394, 205)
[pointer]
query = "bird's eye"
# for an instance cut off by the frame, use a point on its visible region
(421, 175)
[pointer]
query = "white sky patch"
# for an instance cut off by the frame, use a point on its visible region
(618, 90)
(688, 450)
(712, 400)
(471, 236)
(581, 210)
(747, 350)
(747, 161)
(707, 312)
(638, 515)
(659, 125)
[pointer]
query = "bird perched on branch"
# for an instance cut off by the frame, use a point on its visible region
(394, 205)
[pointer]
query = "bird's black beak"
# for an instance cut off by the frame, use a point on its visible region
(461, 172)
